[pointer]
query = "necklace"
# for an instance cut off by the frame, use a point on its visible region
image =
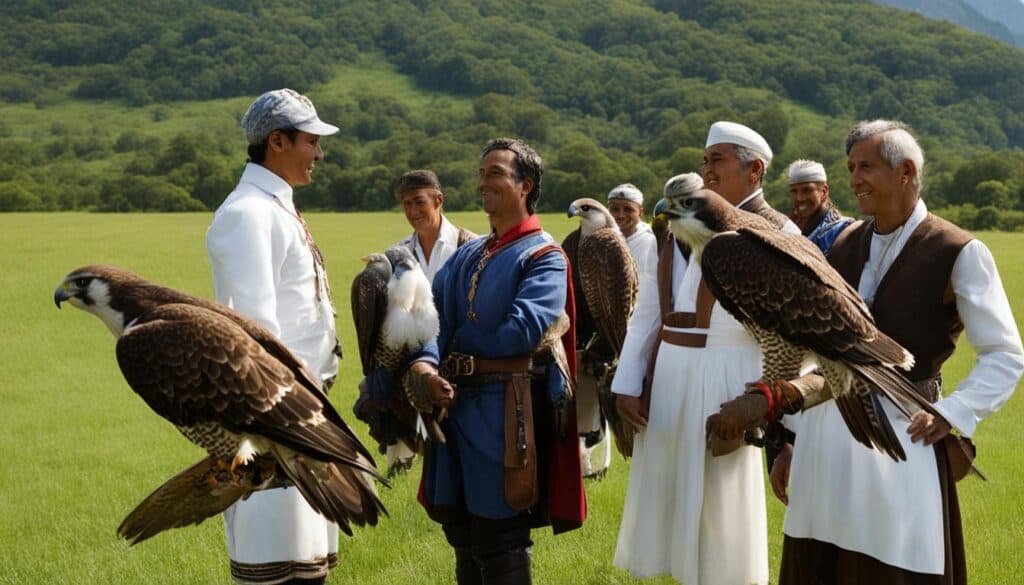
(878, 268)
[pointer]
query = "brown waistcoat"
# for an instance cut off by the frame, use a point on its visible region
(914, 303)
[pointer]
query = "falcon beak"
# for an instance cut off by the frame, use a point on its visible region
(572, 211)
(62, 294)
(400, 269)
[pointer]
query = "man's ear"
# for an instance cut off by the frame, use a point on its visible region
(276, 140)
(758, 170)
(907, 171)
(527, 187)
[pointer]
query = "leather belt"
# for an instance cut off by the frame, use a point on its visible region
(684, 339)
(461, 368)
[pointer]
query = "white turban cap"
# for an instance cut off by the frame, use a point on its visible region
(733, 133)
(806, 171)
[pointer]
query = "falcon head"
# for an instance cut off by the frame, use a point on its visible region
(593, 216)
(94, 289)
(411, 318)
(378, 265)
(401, 259)
(696, 214)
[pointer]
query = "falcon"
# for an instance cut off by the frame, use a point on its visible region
(233, 389)
(605, 272)
(784, 292)
(394, 314)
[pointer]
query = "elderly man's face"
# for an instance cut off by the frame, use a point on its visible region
(626, 213)
(808, 199)
(877, 186)
(422, 208)
(724, 173)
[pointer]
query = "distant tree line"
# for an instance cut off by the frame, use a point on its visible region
(608, 91)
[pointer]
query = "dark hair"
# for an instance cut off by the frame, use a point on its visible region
(414, 180)
(528, 165)
(258, 152)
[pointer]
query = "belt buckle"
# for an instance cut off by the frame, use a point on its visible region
(461, 364)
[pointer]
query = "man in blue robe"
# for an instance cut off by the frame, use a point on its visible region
(511, 458)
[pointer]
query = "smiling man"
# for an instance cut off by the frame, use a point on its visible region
(433, 241)
(735, 161)
(854, 514)
(267, 267)
(501, 366)
(813, 211)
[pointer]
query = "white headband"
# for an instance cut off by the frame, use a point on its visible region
(627, 192)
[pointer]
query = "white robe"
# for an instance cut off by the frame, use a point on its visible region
(858, 498)
(643, 246)
(699, 518)
(263, 269)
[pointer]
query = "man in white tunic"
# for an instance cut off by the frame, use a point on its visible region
(626, 204)
(854, 515)
(433, 240)
(699, 517)
(267, 267)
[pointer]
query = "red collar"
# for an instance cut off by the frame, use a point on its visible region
(527, 227)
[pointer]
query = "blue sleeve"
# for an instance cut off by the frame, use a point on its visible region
(539, 301)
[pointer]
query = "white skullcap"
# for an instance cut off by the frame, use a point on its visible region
(806, 171)
(627, 191)
(733, 133)
(680, 185)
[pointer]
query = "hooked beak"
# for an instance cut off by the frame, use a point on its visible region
(401, 268)
(572, 211)
(62, 294)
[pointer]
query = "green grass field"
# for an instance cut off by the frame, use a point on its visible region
(82, 449)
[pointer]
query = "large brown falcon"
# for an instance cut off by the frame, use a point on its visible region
(233, 389)
(605, 276)
(394, 315)
(787, 295)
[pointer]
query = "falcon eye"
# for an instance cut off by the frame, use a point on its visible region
(81, 282)
(585, 208)
(688, 203)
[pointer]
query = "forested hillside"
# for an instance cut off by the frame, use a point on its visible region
(117, 105)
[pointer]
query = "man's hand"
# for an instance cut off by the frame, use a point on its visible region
(737, 416)
(441, 392)
(632, 409)
(929, 427)
(780, 473)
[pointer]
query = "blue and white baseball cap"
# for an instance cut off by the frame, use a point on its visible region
(282, 108)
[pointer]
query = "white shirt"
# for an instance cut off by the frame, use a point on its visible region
(263, 268)
(643, 246)
(447, 242)
(860, 499)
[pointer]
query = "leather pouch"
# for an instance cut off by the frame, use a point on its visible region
(521, 485)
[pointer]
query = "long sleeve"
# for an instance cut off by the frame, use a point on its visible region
(239, 244)
(641, 333)
(538, 303)
(992, 332)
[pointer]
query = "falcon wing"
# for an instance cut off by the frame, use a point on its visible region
(369, 307)
(585, 327)
(784, 285)
(610, 283)
(186, 499)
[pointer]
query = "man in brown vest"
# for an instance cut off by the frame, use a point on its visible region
(855, 515)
